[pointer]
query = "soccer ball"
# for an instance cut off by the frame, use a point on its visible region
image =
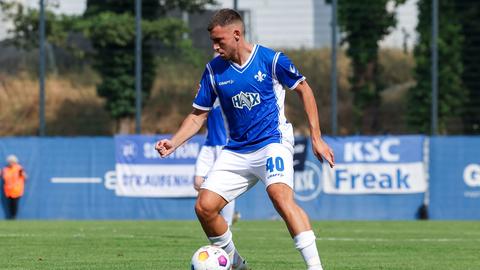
(210, 258)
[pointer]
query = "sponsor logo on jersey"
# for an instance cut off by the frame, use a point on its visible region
(226, 82)
(260, 76)
(248, 100)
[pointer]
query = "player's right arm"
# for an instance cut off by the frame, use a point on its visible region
(320, 148)
(190, 126)
(288, 75)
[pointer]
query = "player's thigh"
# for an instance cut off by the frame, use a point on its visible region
(205, 160)
(274, 164)
(231, 176)
(281, 195)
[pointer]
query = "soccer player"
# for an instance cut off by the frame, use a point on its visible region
(247, 79)
(215, 140)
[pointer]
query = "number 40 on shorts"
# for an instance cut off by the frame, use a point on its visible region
(275, 164)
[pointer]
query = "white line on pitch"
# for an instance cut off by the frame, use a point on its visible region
(399, 240)
(76, 180)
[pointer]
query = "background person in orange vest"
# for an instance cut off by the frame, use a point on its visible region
(13, 185)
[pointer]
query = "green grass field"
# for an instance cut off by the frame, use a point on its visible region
(168, 245)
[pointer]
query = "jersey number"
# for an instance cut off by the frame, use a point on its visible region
(278, 164)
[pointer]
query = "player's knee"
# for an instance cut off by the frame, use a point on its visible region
(204, 209)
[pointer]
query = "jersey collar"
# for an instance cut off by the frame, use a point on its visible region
(247, 63)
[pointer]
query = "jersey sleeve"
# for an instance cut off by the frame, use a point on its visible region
(206, 93)
(286, 72)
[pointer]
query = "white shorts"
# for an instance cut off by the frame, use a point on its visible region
(206, 158)
(235, 173)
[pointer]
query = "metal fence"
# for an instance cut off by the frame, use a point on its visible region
(372, 64)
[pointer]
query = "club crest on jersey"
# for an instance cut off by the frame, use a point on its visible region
(260, 76)
(246, 100)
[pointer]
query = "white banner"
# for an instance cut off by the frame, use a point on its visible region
(379, 178)
(136, 180)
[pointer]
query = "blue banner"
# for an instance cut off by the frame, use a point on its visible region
(76, 178)
(379, 149)
(455, 177)
(376, 165)
(364, 182)
(140, 149)
(141, 172)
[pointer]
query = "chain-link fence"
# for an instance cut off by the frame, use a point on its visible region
(384, 71)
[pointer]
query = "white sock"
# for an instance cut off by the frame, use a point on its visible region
(226, 243)
(228, 211)
(305, 243)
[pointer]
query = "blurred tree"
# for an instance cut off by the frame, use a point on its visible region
(363, 25)
(110, 24)
(470, 12)
(452, 94)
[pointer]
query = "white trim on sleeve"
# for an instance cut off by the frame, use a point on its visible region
(296, 84)
(274, 64)
(196, 106)
(212, 80)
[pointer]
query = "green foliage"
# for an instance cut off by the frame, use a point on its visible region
(395, 74)
(470, 12)
(110, 26)
(113, 37)
(452, 94)
(74, 108)
(363, 26)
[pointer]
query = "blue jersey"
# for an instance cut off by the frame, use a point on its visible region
(251, 97)
(216, 134)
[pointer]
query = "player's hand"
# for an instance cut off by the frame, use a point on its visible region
(164, 147)
(323, 151)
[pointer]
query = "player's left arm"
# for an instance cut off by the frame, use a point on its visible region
(320, 147)
(189, 127)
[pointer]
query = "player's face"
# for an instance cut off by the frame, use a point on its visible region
(224, 40)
